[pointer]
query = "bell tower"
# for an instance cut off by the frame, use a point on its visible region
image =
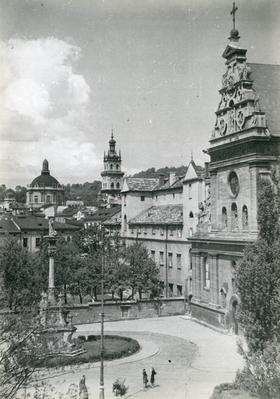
(112, 176)
(242, 147)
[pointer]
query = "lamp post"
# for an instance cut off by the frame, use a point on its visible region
(101, 381)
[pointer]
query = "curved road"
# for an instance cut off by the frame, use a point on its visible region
(190, 359)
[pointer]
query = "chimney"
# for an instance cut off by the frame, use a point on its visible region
(172, 178)
(161, 179)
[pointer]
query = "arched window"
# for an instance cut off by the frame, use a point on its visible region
(48, 200)
(125, 223)
(224, 217)
(36, 199)
(190, 214)
(234, 216)
(118, 185)
(111, 166)
(117, 166)
(245, 217)
(112, 185)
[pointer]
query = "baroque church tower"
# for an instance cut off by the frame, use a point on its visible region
(112, 176)
(244, 147)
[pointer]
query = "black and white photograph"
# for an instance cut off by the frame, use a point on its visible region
(139, 199)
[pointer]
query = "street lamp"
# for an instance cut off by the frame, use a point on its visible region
(101, 381)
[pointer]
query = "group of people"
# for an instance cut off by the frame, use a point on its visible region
(152, 377)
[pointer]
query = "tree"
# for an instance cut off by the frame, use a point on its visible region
(143, 274)
(258, 284)
(22, 279)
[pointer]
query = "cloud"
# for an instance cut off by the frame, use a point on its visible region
(44, 109)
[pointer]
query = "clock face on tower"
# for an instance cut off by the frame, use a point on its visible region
(233, 183)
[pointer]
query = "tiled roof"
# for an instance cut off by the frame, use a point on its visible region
(141, 183)
(31, 222)
(167, 186)
(266, 80)
(103, 214)
(7, 225)
(115, 220)
(161, 214)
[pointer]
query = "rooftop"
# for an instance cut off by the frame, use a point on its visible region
(266, 78)
(160, 215)
(140, 184)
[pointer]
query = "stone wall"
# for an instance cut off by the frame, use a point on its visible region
(90, 313)
(214, 317)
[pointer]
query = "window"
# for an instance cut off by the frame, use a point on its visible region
(37, 242)
(179, 261)
(68, 238)
(161, 231)
(191, 215)
(206, 274)
(170, 259)
(124, 200)
(161, 258)
(145, 230)
(138, 230)
(125, 223)
(224, 217)
(125, 312)
(191, 232)
(179, 290)
(24, 242)
(234, 216)
(173, 196)
(112, 185)
(111, 166)
(132, 230)
(171, 232)
(179, 233)
(36, 199)
(118, 185)
(117, 166)
(142, 198)
(170, 286)
(48, 200)
(244, 217)
(190, 191)
(153, 255)
(153, 230)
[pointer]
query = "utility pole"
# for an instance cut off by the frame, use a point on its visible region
(101, 381)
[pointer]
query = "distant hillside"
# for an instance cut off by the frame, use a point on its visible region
(152, 172)
(86, 192)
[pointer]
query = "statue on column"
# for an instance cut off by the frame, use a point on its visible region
(52, 231)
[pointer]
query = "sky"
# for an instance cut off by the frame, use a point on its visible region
(71, 70)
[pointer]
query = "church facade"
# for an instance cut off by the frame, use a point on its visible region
(244, 147)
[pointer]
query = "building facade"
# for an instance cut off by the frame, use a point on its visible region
(162, 213)
(244, 147)
(44, 190)
(112, 175)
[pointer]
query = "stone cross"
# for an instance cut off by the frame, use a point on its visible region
(233, 12)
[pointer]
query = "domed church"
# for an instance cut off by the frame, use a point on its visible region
(45, 190)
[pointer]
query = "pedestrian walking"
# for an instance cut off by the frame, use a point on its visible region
(83, 392)
(153, 373)
(145, 378)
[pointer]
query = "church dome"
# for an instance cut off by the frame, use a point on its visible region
(45, 179)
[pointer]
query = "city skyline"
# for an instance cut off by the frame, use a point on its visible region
(149, 69)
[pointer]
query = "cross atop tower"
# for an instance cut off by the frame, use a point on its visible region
(233, 12)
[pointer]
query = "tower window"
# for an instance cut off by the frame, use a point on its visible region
(190, 191)
(224, 217)
(191, 215)
(245, 217)
(117, 167)
(234, 216)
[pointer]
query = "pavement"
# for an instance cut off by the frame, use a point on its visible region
(190, 360)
